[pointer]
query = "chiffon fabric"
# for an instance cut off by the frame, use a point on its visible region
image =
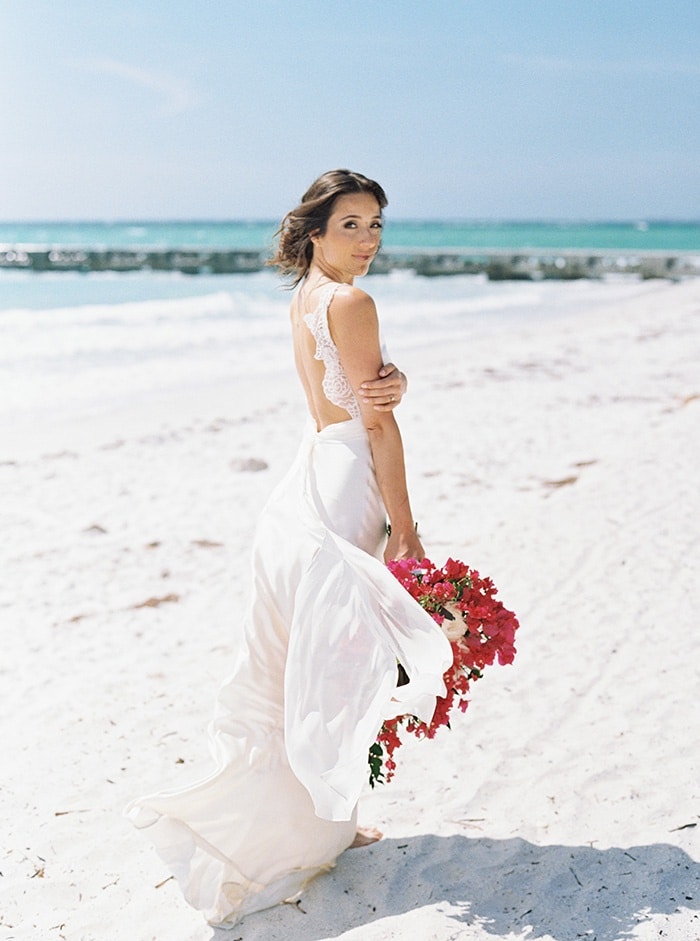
(314, 678)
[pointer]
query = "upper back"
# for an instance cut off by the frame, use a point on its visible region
(328, 392)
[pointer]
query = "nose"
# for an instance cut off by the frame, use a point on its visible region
(369, 235)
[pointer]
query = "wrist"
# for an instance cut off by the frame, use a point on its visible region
(409, 530)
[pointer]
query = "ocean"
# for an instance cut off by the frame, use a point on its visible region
(636, 235)
(75, 345)
(79, 343)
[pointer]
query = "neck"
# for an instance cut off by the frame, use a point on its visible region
(319, 269)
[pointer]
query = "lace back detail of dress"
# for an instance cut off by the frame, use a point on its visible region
(336, 386)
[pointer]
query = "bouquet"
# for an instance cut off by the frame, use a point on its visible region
(479, 628)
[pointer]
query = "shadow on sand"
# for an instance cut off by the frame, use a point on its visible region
(502, 886)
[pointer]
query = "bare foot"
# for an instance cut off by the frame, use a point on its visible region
(365, 836)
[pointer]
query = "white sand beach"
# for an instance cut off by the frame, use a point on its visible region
(560, 457)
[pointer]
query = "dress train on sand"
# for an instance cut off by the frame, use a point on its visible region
(314, 678)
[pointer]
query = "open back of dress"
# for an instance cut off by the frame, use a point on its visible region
(314, 678)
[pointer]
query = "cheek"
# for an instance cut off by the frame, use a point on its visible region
(341, 240)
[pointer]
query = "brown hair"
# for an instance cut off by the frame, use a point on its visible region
(294, 248)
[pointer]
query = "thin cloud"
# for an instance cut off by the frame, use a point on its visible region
(176, 95)
(601, 67)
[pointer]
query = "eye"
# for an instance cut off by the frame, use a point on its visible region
(377, 225)
(350, 225)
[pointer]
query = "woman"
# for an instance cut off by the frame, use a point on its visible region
(316, 671)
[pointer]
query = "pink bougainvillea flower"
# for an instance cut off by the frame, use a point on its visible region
(480, 630)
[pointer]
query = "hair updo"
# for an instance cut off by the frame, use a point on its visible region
(295, 248)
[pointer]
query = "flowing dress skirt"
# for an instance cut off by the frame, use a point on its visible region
(314, 678)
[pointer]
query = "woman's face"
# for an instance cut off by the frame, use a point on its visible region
(351, 239)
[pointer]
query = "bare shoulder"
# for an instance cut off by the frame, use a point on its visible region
(351, 301)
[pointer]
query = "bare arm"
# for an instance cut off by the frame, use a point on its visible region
(355, 330)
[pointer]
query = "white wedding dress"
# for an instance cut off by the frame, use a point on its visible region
(311, 685)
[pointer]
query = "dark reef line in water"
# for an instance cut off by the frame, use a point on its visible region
(497, 264)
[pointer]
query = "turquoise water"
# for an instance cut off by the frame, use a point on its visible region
(634, 235)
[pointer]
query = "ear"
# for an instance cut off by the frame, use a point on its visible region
(315, 236)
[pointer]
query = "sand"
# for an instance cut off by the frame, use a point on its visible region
(561, 458)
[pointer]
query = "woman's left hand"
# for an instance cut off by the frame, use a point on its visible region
(386, 392)
(406, 546)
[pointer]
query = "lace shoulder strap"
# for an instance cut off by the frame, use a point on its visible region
(336, 386)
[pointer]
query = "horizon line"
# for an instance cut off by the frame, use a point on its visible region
(409, 220)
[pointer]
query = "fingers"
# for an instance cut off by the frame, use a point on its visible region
(389, 376)
(386, 392)
(383, 391)
(386, 403)
(381, 387)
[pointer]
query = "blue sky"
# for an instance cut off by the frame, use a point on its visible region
(220, 109)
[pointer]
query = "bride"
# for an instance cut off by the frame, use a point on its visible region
(316, 669)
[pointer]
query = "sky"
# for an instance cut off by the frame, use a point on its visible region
(228, 109)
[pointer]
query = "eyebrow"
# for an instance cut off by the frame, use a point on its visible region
(354, 215)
